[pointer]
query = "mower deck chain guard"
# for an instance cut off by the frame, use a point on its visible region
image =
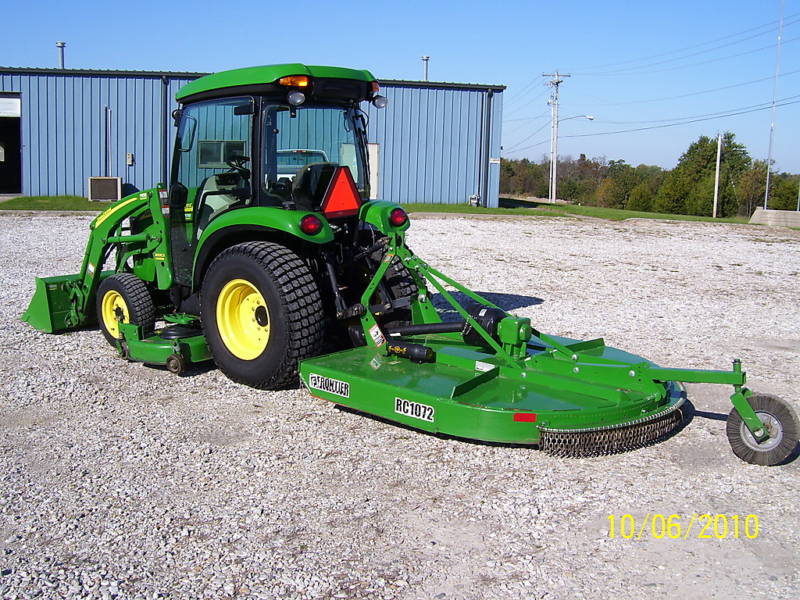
(612, 439)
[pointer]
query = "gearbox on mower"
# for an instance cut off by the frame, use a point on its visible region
(266, 255)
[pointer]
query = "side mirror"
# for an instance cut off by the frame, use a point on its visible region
(186, 133)
(178, 195)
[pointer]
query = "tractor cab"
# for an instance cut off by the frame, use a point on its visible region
(262, 137)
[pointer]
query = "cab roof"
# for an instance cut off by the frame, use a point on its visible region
(265, 75)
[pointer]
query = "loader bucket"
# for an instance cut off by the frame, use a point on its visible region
(51, 309)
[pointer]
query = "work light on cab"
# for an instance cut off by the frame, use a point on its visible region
(398, 217)
(295, 81)
(310, 225)
(296, 98)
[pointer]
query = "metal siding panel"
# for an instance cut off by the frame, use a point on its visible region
(391, 150)
(493, 199)
(47, 169)
(404, 144)
(429, 138)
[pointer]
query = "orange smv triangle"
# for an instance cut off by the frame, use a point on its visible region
(341, 197)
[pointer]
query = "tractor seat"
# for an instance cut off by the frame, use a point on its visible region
(310, 184)
(213, 200)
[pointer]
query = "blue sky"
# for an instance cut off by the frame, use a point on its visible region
(633, 64)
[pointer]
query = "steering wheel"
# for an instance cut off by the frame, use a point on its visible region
(237, 162)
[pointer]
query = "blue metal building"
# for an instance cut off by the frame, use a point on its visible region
(434, 143)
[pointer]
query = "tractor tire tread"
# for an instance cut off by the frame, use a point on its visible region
(138, 298)
(303, 306)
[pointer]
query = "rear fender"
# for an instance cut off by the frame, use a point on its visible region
(376, 213)
(256, 223)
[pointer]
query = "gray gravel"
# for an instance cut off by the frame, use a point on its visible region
(119, 480)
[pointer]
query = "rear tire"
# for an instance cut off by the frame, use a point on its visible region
(781, 422)
(261, 313)
(124, 296)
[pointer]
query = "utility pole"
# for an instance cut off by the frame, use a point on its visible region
(716, 178)
(554, 83)
(798, 195)
(425, 60)
(774, 93)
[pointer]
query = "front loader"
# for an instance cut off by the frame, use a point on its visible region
(266, 255)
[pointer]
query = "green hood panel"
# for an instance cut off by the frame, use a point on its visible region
(268, 74)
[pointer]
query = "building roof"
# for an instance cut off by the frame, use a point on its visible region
(195, 75)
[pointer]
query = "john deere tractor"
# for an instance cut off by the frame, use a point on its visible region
(258, 252)
(266, 254)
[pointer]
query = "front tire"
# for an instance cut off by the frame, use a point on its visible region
(124, 297)
(779, 420)
(262, 314)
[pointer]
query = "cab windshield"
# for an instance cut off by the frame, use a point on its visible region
(295, 140)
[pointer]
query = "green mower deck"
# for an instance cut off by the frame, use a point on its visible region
(466, 394)
(493, 377)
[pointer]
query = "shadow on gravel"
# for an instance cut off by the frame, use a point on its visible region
(792, 457)
(507, 302)
(710, 415)
(442, 436)
(191, 370)
(687, 412)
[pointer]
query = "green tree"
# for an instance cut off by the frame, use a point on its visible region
(783, 195)
(686, 189)
(607, 193)
(640, 198)
(671, 196)
(750, 188)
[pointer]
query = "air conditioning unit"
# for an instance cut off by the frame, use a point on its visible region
(105, 189)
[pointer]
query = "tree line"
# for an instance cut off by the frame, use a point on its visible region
(687, 189)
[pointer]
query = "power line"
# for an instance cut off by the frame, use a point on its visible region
(528, 137)
(537, 117)
(699, 52)
(710, 118)
(697, 93)
(732, 114)
(524, 105)
(769, 26)
(702, 115)
(645, 71)
(523, 91)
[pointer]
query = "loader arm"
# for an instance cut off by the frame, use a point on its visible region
(64, 302)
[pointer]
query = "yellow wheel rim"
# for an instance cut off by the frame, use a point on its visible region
(243, 319)
(112, 308)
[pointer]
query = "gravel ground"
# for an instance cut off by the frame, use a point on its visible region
(120, 480)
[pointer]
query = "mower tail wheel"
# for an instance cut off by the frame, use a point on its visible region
(124, 297)
(175, 364)
(780, 421)
(262, 314)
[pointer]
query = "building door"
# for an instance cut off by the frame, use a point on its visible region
(10, 145)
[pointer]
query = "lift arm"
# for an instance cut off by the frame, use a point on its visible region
(64, 302)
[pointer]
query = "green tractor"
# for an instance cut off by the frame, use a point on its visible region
(266, 255)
